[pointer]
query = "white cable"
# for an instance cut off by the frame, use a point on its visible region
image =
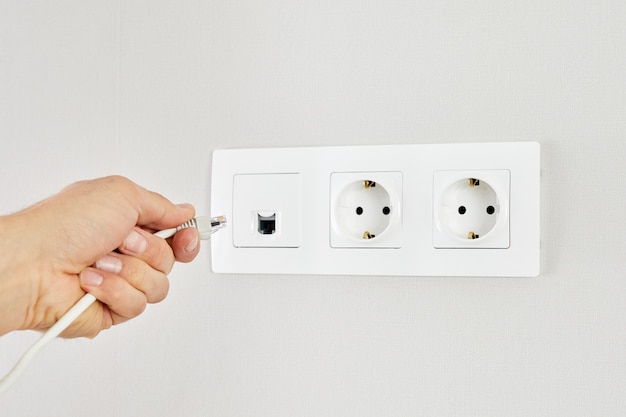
(67, 319)
(205, 225)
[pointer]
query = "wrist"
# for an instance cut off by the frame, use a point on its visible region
(16, 276)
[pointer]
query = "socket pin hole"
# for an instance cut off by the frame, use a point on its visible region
(463, 210)
(359, 211)
(386, 210)
(491, 210)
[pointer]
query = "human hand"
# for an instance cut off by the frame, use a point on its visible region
(94, 236)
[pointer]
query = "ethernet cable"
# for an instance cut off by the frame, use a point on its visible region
(205, 225)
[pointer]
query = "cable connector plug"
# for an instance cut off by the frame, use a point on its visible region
(205, 225)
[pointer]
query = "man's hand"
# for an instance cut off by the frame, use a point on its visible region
(94, 236)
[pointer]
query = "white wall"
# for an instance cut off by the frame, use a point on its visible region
(148, 89)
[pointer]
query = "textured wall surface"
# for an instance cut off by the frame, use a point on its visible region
(148, 89)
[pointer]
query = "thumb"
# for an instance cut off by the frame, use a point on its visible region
(157, 212)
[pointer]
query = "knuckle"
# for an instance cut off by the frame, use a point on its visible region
(118, 180)
(120, 185)
(116, 297)
(129, 307)
(136, 274)
(138, 308)
(151, 282)
(163, 257)
(160, 290)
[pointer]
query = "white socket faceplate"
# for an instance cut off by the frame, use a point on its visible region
(261, 200)
(301, 187)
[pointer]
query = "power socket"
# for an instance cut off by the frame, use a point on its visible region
(417, 210)
(471, 209)
(366, 209)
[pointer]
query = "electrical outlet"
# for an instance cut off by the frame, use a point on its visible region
(417, 210)
(471, 209)
(366, 209)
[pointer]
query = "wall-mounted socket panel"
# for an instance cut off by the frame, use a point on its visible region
(414, 210)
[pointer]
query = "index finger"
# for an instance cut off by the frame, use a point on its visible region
(157, 212)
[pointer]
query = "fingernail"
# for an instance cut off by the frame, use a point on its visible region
(184, 205)
(191, 246)
(91, 278)
(135, 243)
(109, 263)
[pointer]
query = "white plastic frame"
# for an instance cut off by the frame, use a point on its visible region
(416, 254)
